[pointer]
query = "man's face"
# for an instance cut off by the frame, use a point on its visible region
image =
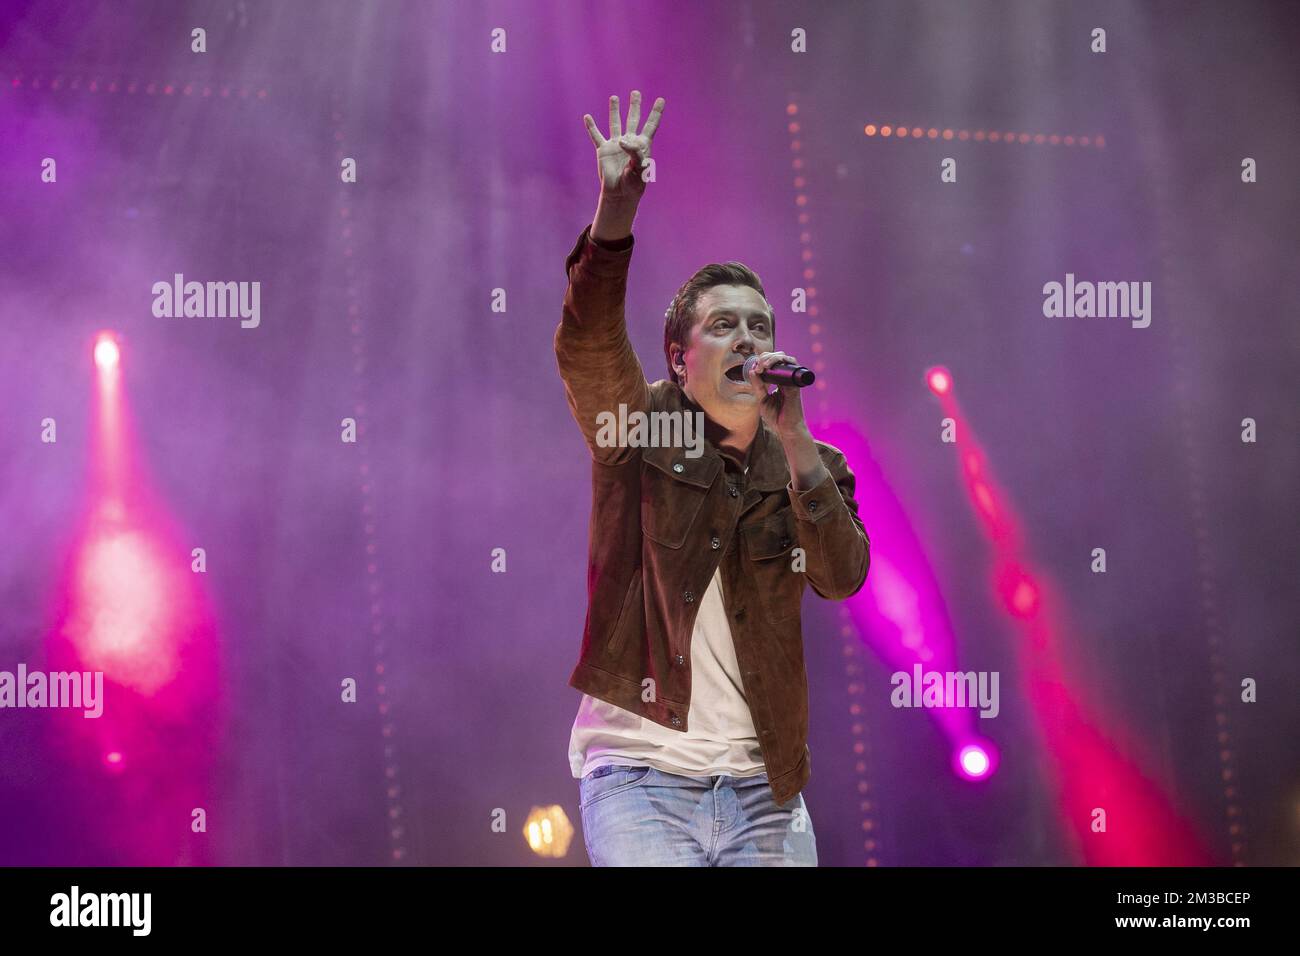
(731, 324)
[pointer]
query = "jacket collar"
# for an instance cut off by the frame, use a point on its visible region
(768, 469)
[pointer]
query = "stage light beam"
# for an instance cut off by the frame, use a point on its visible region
(107, 353)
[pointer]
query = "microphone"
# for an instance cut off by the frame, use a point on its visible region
(783, 374)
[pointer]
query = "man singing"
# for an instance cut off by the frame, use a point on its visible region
(691, 737)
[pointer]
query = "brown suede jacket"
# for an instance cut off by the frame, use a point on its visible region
(662, 522)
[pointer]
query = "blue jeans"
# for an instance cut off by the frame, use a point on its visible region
(641, 816)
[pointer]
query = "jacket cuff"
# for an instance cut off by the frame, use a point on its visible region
(815, 503)
(609, 260)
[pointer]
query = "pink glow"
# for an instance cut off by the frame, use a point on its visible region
(1094, 770)
(939, 380)
(107, 353)
(975, 761)
(123, 623)
(129, 606)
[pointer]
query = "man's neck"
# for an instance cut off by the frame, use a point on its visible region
(736, 443)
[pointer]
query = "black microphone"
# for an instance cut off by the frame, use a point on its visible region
(784, 374)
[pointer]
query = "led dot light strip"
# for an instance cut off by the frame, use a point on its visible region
(851, 646)
(393, 790)
(984, 136)
(130, 87)
(806, 252)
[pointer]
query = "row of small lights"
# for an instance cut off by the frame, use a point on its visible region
(847, 630)
(1227, 772)
(806, 253)
(981, 136)
(97, 85)
(393, 790)
(851, 650)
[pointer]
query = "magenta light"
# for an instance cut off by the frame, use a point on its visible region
(107, 354)
(939, 380)
(974, 762)
(1024, 600)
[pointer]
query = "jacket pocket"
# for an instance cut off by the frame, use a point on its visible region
(768, 545)
(669, 504)
(627, 615)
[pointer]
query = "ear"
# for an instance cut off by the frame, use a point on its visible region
(677, 354)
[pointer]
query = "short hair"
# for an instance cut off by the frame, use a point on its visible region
(679, 318)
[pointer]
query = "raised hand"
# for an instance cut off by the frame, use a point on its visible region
(622, 158)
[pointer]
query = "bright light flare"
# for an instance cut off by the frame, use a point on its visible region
(974, 761)
(107, 354)
(939, 380)
(124, 622)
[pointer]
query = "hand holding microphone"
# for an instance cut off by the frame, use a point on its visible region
(784, 374)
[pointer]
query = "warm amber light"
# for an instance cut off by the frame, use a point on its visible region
(870, 129)
(548, 831)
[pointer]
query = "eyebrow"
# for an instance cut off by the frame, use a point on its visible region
(719, 312)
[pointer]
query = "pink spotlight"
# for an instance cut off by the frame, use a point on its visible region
(973, 762)
(107, 354)
(1024, 599)
(939, 380)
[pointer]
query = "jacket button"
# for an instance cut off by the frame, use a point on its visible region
(679, 468)
(731, 490)
(716, 543)
(785, 543)
(681, 659)
(690, 598)
(677, 721)
(812, 506)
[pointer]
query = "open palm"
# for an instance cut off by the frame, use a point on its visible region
(623, 156)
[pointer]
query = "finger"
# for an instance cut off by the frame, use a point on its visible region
(593, 131)
(615, 124)
(777, 358)
(652, 121)
(634, 151)
(634, 112)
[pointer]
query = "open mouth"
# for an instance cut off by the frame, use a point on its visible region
(736, 373)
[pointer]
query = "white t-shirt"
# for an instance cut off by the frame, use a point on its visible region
(721, 739)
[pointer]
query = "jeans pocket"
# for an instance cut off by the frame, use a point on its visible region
(608, 780)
